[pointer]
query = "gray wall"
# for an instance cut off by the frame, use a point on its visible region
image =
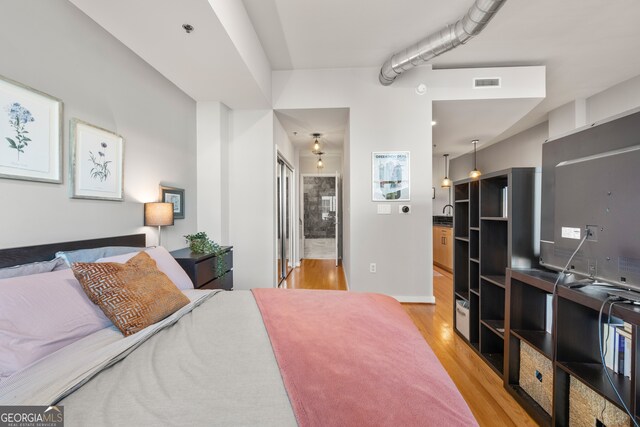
(521, 150)
(53, 47)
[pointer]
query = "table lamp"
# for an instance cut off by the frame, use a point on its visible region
(158, 214)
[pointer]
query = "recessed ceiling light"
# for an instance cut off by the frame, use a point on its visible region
(188, 28)
(433, 123)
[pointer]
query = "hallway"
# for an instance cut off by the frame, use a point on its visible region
(317, 274)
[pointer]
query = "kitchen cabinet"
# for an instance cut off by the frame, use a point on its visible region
(443, 247)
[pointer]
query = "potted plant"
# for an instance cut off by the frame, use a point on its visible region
(199, 243)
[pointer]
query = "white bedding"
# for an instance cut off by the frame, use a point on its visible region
(55, 376)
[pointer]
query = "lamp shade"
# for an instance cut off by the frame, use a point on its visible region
(158, 214)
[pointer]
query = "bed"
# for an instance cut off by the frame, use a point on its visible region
(267, 357)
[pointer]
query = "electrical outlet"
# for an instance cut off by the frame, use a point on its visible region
(372, 267)
(593, 233)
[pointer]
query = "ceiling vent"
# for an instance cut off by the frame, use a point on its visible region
(447, 38)
(480, 83)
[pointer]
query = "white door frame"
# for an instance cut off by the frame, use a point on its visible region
(301, 195)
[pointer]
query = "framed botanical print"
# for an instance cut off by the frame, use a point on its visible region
(97, 162)
(30, 134)
(390, 176)
(176, 197)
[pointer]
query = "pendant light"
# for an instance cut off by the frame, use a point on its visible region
(320, 163)
(316, 144)
(475, 173)
(446, 182)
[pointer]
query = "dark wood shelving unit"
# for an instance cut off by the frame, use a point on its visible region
(496, 280)
(592, 374)
(491, 234)
(542, 341)
(534, 409)
(497, 326)
(564, 331)
(463, 294)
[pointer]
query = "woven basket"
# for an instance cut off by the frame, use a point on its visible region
(536, 376)
(586, 407)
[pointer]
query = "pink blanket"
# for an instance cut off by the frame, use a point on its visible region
(351, 359)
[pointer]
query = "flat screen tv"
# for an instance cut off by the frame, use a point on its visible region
(591, 180)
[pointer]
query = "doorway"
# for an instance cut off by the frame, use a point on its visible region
(284, 219)
(321, 219)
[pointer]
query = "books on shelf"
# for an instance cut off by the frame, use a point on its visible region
(617, 348)
(548, 323)
(505, 201)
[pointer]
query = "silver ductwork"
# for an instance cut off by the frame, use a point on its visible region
(441, 41)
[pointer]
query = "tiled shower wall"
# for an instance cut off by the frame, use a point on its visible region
(315, 227)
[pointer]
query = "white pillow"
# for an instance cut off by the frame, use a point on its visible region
(166, 263)
(40, 314)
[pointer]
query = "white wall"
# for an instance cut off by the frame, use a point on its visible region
(252, 159)
(62, 52)
(521, 150)
(346, 203)
(381, 119)
(213, 170)
(282, 142)
(615, 100)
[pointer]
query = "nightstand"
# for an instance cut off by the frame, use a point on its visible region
(201, 268)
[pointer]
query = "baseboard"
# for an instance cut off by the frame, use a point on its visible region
(419, 299)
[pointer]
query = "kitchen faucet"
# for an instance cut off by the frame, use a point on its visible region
(445, 208)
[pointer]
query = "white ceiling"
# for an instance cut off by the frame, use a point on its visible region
(331, 123)
(459, 122)
(202, 64)
(586, 45)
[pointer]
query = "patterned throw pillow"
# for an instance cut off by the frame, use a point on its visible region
(133, 295)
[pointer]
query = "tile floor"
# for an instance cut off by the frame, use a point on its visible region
(319, 248)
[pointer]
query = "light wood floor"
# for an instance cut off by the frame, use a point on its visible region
(478, 384)
(317, 274)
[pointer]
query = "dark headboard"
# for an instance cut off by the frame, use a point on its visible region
(26, 254)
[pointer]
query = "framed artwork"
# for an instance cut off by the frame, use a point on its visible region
(175, 196)
(97, 162)
(30, 134)
(390, 176)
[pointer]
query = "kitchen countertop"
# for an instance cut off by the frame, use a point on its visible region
(442, 221)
